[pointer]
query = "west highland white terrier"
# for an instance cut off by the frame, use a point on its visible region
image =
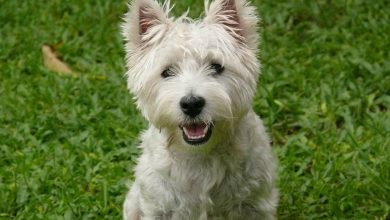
(206, 154)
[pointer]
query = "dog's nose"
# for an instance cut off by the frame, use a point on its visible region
(192, 105)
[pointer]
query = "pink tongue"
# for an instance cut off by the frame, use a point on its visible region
(195, 129)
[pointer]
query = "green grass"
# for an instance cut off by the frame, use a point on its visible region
(68, 144)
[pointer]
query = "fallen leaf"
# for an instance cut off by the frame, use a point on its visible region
(53, 62)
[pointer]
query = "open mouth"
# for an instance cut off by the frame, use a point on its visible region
(196, 133)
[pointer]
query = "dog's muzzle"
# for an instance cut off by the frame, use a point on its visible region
(194, 132)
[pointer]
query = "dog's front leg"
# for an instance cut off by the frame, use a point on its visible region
(131, 209)
(249, 212)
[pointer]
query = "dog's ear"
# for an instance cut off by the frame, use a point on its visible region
(143, 16)
(237, 17)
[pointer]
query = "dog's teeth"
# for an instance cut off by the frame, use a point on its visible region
(187, 133)
(205, 129)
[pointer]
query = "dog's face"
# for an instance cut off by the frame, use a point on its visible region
(192, 79)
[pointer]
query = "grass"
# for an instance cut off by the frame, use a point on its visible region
(68, 144)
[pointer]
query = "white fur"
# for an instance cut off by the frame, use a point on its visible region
(232, 175)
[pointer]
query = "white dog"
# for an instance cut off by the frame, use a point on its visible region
(206, 154)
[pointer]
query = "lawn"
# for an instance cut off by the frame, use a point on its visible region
(68, 144)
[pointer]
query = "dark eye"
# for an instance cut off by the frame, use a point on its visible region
(217, 68)
(167, 73)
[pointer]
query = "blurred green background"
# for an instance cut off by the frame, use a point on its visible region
(68, 144)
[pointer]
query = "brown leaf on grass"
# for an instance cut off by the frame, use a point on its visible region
(53, 62)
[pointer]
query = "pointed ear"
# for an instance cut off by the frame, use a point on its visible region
(237, 17)
(143, 15)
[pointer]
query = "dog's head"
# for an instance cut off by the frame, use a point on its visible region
(192, 79)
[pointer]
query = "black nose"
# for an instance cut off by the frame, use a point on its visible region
(192, 105)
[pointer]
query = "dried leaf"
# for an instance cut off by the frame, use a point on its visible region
(53, 62)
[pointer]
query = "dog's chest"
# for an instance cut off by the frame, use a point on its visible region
(211, 187)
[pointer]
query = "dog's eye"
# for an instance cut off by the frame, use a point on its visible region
(167, 73)
(217, 68)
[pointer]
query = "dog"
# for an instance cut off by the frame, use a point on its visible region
(206, 154)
